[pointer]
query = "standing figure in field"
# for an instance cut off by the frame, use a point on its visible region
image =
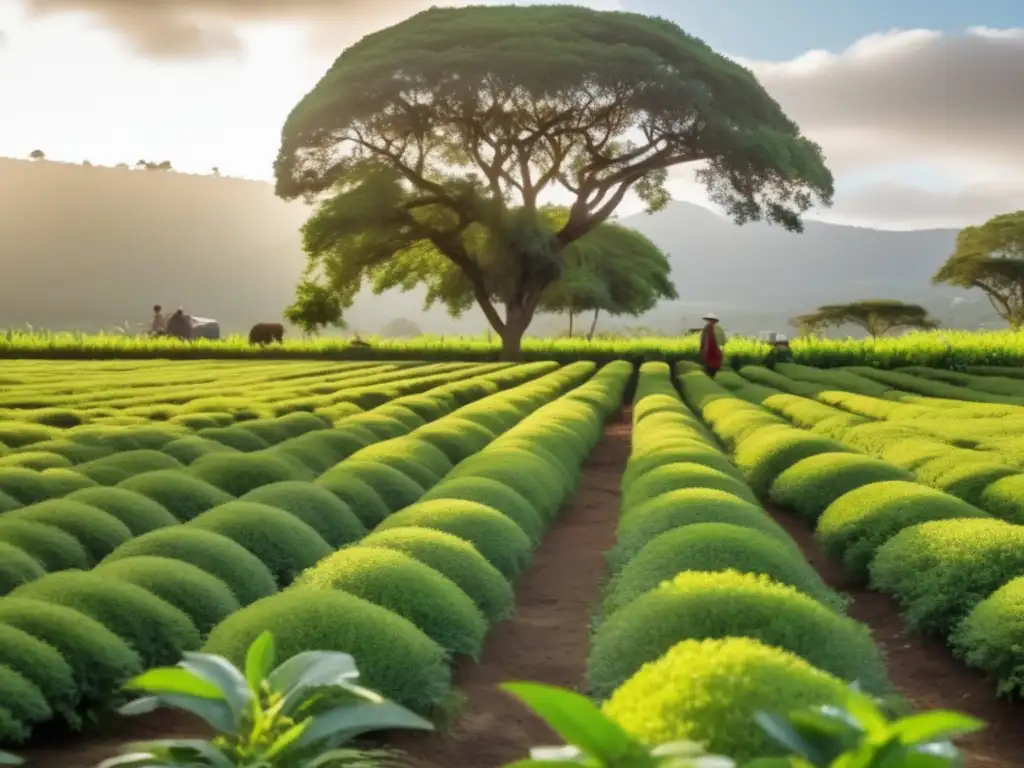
(712, 345)
(179, 325)
(265, 333)
(159, 325)
(781, 353)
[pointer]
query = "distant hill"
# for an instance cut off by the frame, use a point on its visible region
(91, 248)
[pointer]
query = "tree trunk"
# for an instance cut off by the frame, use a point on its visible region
(593, 324)
(572, 316)
(517, 320)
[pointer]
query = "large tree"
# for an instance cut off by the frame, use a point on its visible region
(876, 316)
(990, 257)
(448, 132)
(615, 270)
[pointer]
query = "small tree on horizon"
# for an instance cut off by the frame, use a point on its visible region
(37, 154)
(990, 257)
(315, 307)
(441, 137)
(876, 316)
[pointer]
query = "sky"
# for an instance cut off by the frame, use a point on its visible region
(918, 105)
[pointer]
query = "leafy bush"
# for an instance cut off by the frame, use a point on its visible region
(99, 659)
(201, 596)
(37, 460)
(708, 691)
(26, 486)
(382, 427)
(97, 531)
(1005, 498)
(186, 450)
(282, 542)
(540, 483)
(400, 583)
(765, 455)
(708, 605)
(395, 658)
(179, 493)
(690, 452)
(456, 559)
(140, 514)
(239, 473)
(65, 481)
(157, 630)
(672, 477)
(417, 459)
(17, 567)
(963, 477)
(357, 495)
(811, 484)
(7, 503)
(991, 638)
(317, 507)
(17, 434)
(24, 704)
(395, 488)
(714, 547)
(44, 667)
(687, 506)
(938, 571)
(457, 437)
(856, 524)
(496, 495)
(111, 470)
(244, 573)
(232, 437)
(495, 536)
(54, 549)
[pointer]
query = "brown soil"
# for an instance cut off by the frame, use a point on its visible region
(547, 639)
(922, 668)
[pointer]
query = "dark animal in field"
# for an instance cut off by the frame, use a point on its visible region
(265, 333)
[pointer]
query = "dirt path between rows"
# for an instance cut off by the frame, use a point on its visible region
(548, 638)
(923, 668)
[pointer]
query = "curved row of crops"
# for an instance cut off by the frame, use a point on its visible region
(177, 553)
(955, 570)
(711, 612)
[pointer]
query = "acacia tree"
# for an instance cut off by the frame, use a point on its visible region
(991, 258)
(440, 138)
(614, 269)
(876, 316)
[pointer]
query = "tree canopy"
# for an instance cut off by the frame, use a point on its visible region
(617, 271)
(990, 257)
(316, 306)
(876, 316)
(450, 130)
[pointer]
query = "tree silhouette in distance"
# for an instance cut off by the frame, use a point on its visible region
(876, 316)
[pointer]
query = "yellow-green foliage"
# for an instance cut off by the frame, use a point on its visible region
(991, 638)
(940, 570)
(394, 657)
(98, 532)
(708, 605)
(317, 507)
(402, 584)
(709, 691)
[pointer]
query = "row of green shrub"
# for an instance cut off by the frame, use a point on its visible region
(954, 570)
(426, 583)
(156, 595)
(922, 447)
(711, 612)
(144, 480)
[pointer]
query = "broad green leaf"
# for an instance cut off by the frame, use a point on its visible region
(134, 760)
(577, 720)
(334, 670)
(6, 758)
(294, 669)
(259, 661)
(937, 724)
(355, 719)
(200, 751)
(177, 680)
(785, 735)
(142, 706)
(226, 677)
(216, 713)
(864, 710)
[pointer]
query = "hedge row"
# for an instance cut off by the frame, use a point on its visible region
(955, 571)
(426, 583)
(711, 613)
(159, 594)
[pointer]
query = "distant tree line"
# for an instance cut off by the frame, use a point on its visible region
(142, 165)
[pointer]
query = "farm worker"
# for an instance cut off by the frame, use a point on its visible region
(781, 353)
(712, 344)
(180, 325)
(159, 325)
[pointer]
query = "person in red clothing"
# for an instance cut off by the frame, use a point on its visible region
(712, 345)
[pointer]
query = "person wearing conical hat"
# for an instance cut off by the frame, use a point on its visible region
(712, 344)
(781, 353)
